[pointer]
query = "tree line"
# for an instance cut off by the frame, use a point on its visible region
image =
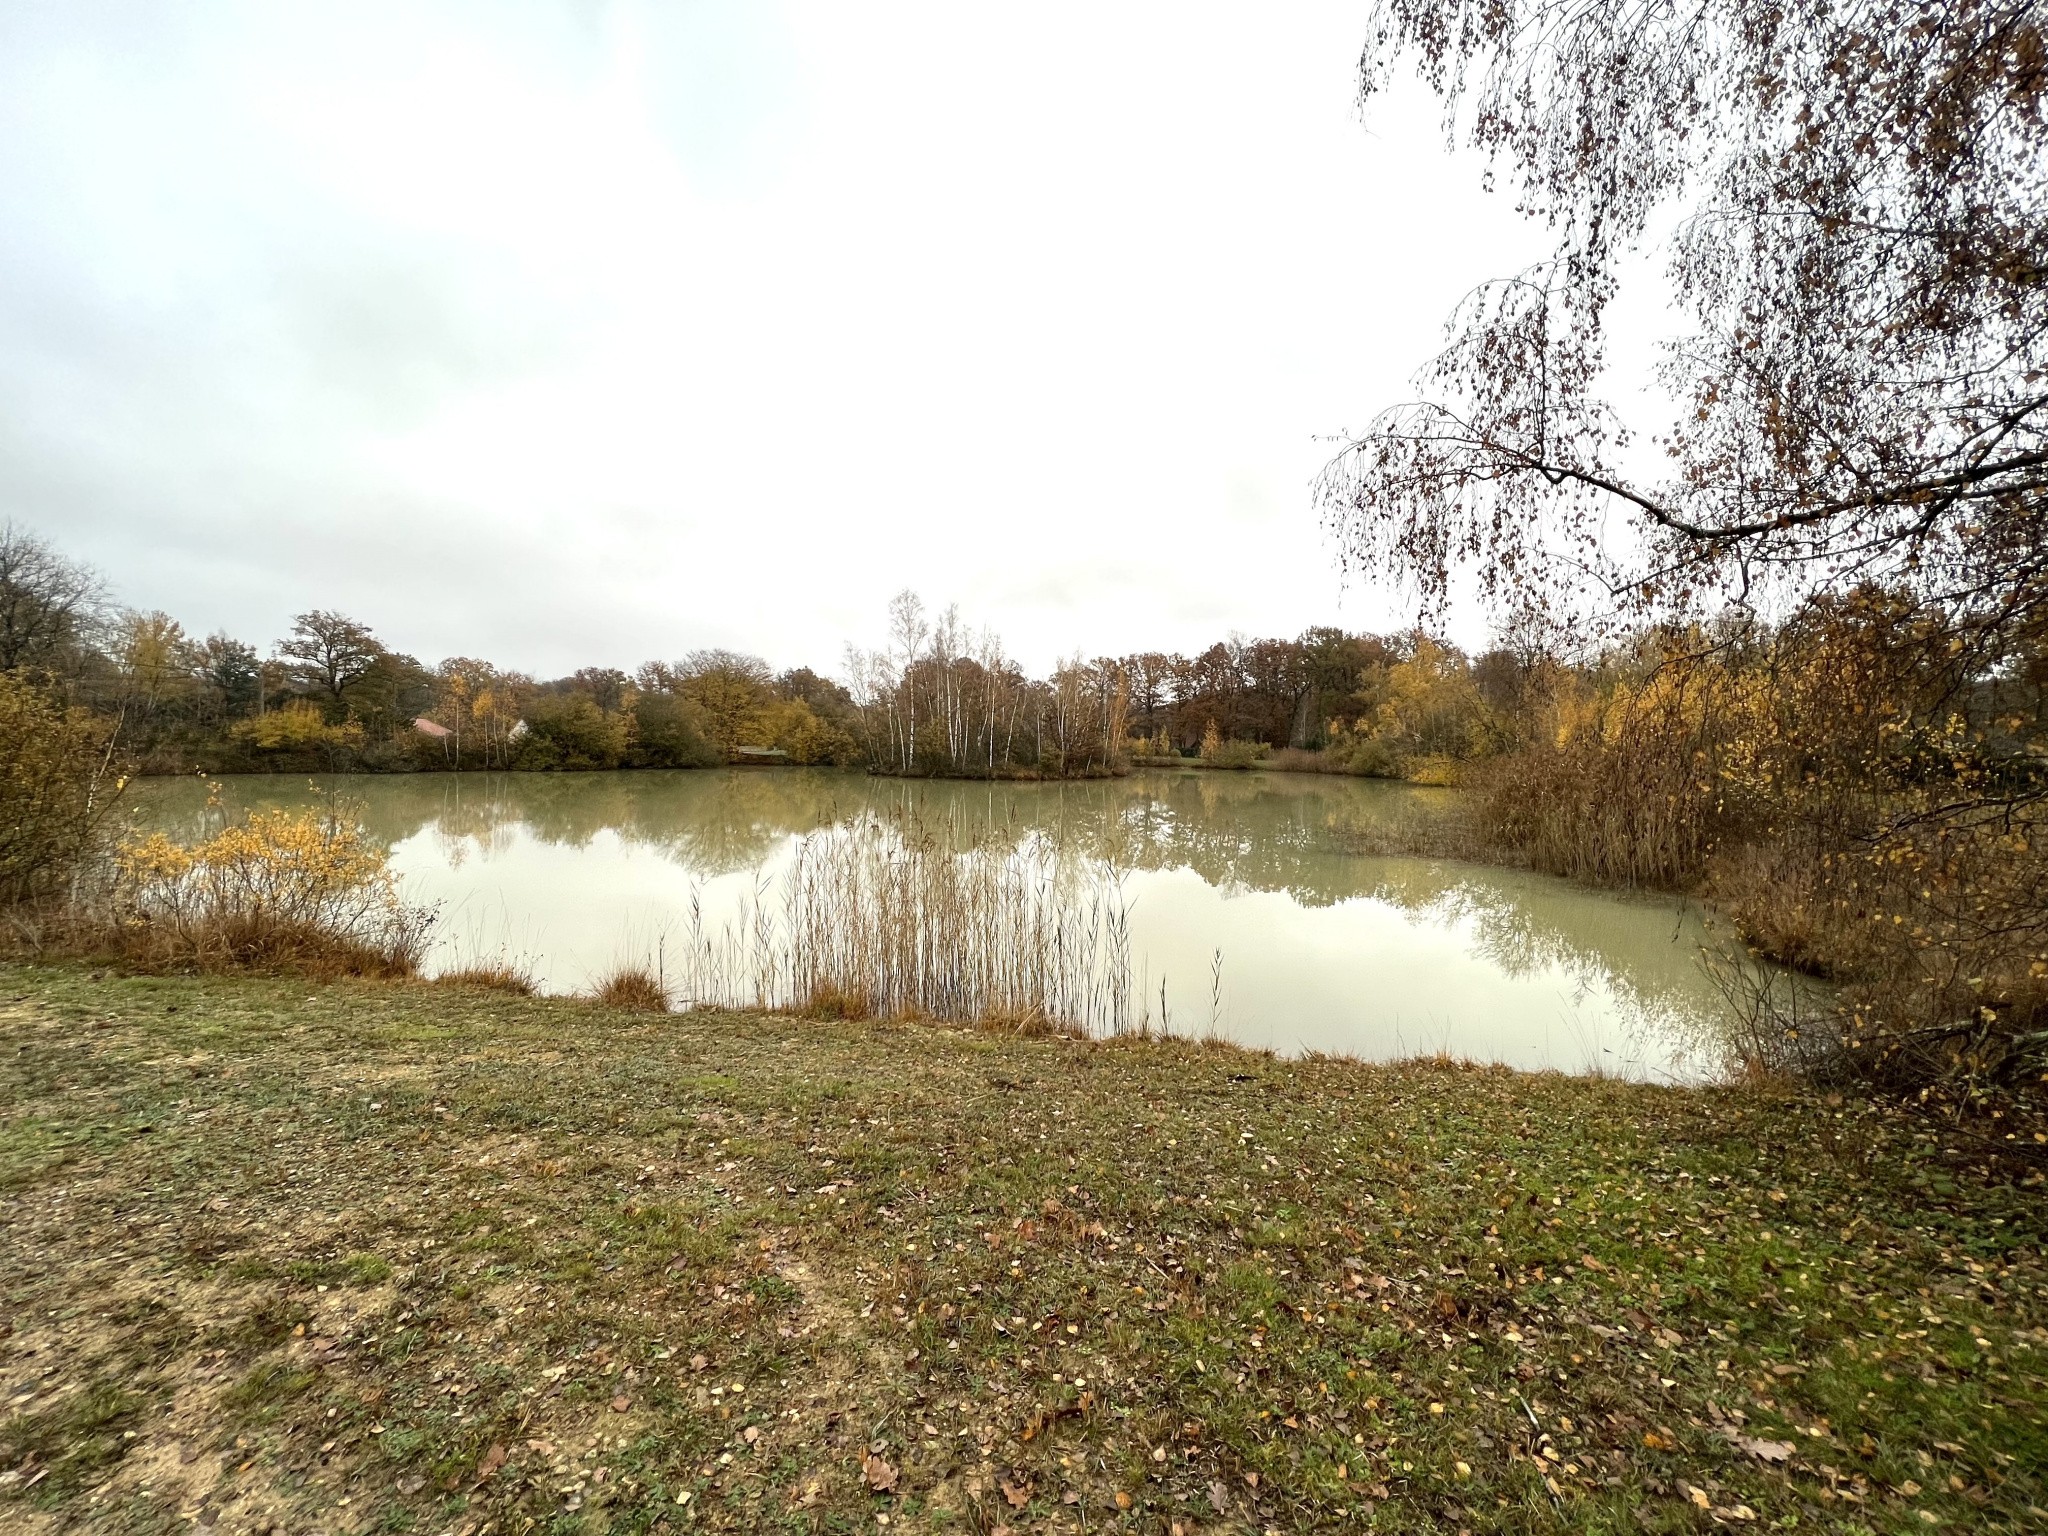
(937, 698)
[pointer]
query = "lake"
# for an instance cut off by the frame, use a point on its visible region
(1252, 914)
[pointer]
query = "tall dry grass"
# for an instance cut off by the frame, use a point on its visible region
(888, 917)
(631, 989)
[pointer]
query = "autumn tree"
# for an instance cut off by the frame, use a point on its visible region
(606, 687)
(46, 601)
(731, 688)
(1860, 195)
(158, 663)
(326, 652)
(231, 673)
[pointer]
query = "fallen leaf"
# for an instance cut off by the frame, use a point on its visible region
(1219, 1497)
(879, 1474)
(494, 1458)
(698, 1362)
(1123, 1500)
(1017, 1490)
(1765, 1450)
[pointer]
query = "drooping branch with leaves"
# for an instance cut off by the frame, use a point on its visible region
(1860, 200)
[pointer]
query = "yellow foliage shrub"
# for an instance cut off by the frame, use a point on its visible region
(58, 778)
(303, 890)
(298, 726)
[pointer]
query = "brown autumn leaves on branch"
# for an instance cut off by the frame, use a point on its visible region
(1840, 567)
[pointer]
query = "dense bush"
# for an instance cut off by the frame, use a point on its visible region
(1219, 753)
(58, 780)
(792, 726)
(570, 731)
(671, 732)
(1857, 790)
(299, 732)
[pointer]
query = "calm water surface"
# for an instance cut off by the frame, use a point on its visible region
(1322, 948)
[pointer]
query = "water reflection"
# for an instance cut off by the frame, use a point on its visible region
(1321, 948)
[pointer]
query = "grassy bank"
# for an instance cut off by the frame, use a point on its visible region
(389, 1257)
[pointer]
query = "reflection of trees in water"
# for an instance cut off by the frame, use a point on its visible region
(1251, 832)
(711, 822)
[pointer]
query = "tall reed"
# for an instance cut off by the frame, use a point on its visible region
(888, 917)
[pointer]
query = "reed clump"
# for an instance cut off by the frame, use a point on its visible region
(631, 989)
(888, 917)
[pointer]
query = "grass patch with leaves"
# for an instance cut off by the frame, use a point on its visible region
(382, 1256)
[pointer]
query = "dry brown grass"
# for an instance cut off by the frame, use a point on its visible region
(631, 989)
(828, 1000)
(499, 975)
(267, 947)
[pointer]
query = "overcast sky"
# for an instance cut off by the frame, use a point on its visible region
(574, 332)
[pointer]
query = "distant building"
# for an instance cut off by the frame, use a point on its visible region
(427, 727)
(763, 757)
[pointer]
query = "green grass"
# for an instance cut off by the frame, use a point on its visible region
(461, 1258)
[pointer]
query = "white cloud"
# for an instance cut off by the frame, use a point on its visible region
(567, 333)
